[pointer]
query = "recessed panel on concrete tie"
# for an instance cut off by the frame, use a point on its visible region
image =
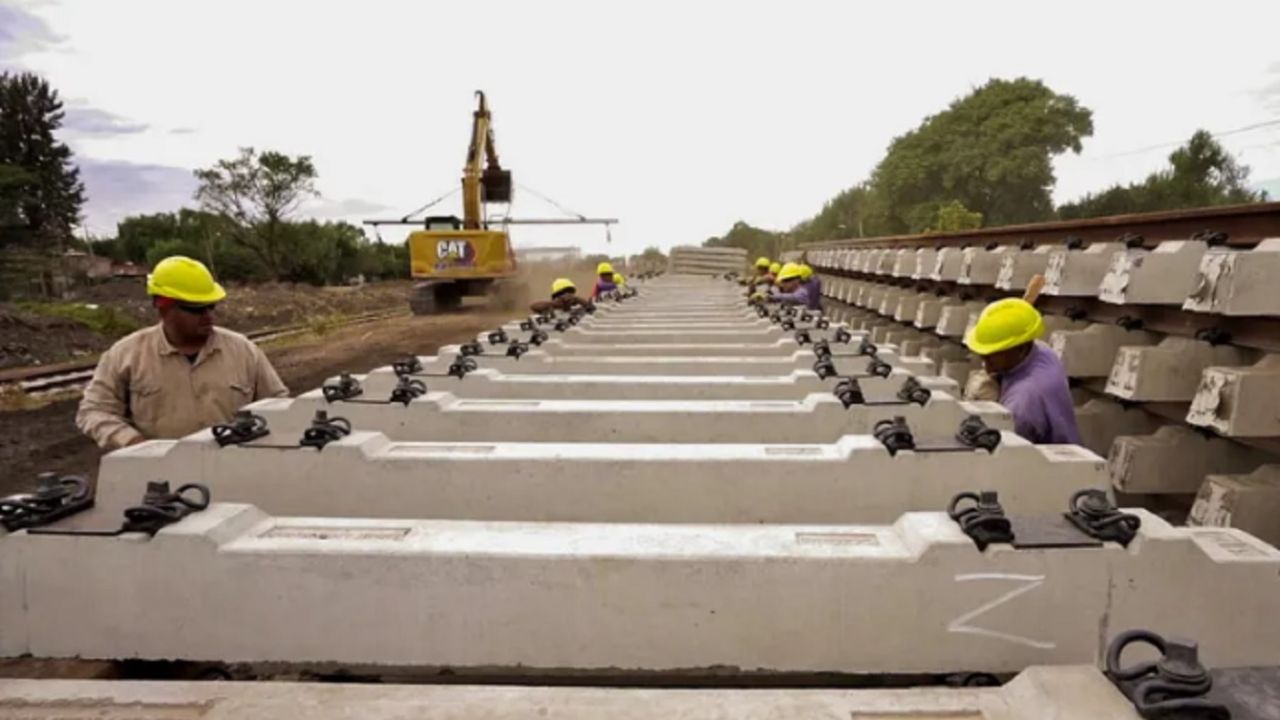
(495, 384)
(1238, 282)
(1074, 692)
(1175, 459)
(954, 319)
(1164, 276)
(1017, 268)
(1091, 352)
(908, 304)
(1239, 401)
(981, 266)
(947, 266)
(442, 417)
(904, 263)
(1078, 273)
(929, 311)
(926, 258)
(584, 597)
(1169, 371)
(1101, 421)
(854, 480)
(1249, 502)
(556, 346)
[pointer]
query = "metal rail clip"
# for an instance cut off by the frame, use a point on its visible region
(516, 349)
(537, 337)
(346, 388)
(842, 335)
(407, 366)
(913, 392)
(324, 430)
(984, 521)
(527, 324)
(407, 389)
(244, 427)
(802, 337)
(974, 433)
(461, 366)
(894, 434)
(1095, 515)
(54, 498)
(497, 337)
(1174, 686)
(161, 507)
(471, 348)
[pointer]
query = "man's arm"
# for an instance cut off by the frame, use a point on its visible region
(799, 297)
(103, 408)
(267, 382)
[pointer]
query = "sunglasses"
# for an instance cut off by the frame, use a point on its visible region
(196, 309)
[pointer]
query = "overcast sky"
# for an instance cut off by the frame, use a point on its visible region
(679, 118)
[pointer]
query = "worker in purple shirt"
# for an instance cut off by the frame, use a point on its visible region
(814, 286)
(790, 290)
(1033, 383)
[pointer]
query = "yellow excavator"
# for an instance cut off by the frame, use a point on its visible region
(451, 257)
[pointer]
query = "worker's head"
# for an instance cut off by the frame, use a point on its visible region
(185, 294)
(605, 271)
(618, 279)
(561, 287)
(1004, 334)
(806, 272)
(774, 269)
(789, 276)
(762, 265)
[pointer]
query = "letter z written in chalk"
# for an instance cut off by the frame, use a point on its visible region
(1023, 585)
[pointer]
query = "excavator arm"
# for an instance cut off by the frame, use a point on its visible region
(483, 179)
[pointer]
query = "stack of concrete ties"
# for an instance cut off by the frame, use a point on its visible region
(688, 260)
(675, 487)
(1152, 334)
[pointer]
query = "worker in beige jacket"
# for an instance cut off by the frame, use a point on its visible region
(180, 375)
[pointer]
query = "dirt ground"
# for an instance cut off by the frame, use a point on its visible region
(46, 438)
(31, 338)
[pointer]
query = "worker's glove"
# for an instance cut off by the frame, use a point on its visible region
(981, 386)
(758, 297)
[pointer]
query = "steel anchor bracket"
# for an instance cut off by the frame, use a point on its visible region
(1173, 686)
(407, 366)
(324, 430)
(346, 388)
(244, 427)
(159, 507)
(497, 337)
(984, 521)
(1096, 516)
(460, 367)
(516, 349)
(407, 389)
(470, 349)
(54, 498)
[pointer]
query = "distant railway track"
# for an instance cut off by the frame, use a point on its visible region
(74, 375)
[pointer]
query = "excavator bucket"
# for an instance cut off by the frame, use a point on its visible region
(497, 185)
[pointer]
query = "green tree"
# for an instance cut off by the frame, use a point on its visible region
(954, 217)
(992, 150)
(259, 193)
(40, 190)
(1201, 173)
(756, 241)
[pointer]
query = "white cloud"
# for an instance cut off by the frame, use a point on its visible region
(117, 188)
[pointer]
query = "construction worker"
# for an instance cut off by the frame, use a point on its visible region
(604, 281)
(790, 291)
(813, 285)
(180, 375)
(1033, 383)
(620, 282)
(564, 296)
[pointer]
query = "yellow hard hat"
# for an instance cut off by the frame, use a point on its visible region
(806, 272)
(1004, 324)
(763, 262)
(182, 278)
(603, 268)
(618, 279)
(562, 284)
(790, 271)
(775, 268)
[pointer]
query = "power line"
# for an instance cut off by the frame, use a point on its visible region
(1176, 143)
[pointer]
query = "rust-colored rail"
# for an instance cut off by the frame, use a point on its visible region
(1245, 226)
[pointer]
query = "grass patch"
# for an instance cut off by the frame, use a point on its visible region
(102, 319)
(321, 325)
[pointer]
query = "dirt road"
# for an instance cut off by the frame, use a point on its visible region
(46, 438)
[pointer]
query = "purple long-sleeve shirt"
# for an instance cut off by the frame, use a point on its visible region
(803, 295)
(1036, 394)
